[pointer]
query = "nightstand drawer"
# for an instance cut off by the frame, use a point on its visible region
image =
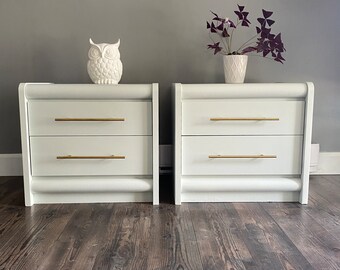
(116, 155)
(243, 117)
(242, 155)
(90, 118)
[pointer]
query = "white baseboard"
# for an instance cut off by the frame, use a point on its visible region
(329, 163)
(10, 165)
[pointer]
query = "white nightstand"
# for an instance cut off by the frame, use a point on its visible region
(242, 142)
(86, 143)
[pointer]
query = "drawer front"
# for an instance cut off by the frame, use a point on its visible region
(243, 117)
(241, 155)
(62, 156)
(90, 118)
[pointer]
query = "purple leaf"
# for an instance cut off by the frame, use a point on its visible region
(258, 30)
(270, 22)
(216, 47)
(279, 58)
(220, 27)
(217, 50)
(261, 21)
(248, 50)
(266, 13)
(208, 25)
(279, 48)
(241, 8)
(218, 19)
(278, 38)
(265, 32)
(231, 24)
(214, 14)
(239, 14)
(244, 23)
(271, 36)
(213, 28)
(242, 16)
(265, 53)
(225, 33)
(246, 20)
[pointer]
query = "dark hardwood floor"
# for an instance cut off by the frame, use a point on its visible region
(192, 236)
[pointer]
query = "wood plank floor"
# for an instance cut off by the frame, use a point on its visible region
(192, 236)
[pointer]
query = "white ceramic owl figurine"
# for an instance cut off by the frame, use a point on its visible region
(104, 65)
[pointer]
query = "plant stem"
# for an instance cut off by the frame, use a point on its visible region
(226, 45)
(228, 38)
(245, 43)
(232, 33)
(210, 36)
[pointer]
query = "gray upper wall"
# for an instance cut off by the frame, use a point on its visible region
(164, 41)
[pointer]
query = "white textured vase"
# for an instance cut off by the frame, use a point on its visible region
(235, 67)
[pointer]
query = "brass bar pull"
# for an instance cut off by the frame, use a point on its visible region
(89, 119)
(90, 157)
(243, 156)
(245, 119)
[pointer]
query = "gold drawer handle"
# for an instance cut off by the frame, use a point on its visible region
(243, 156)
(89, 119)
(245, 119)
(90, 157)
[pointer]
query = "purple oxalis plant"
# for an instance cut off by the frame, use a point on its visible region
(264, 42)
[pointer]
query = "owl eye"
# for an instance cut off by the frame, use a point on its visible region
(94, 53)
(109, 53)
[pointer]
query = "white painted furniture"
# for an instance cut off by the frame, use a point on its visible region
(89, 143)
(242, 142)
